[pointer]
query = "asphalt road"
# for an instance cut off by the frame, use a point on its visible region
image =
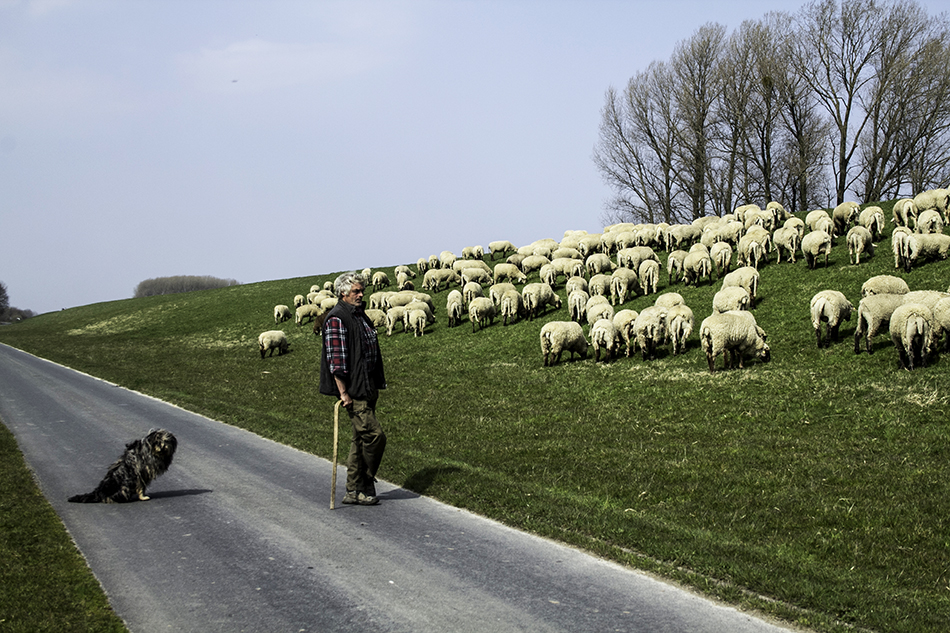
(239, 536)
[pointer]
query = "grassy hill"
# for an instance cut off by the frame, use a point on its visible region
(815, 487)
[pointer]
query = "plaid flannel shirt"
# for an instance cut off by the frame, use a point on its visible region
(335, 337)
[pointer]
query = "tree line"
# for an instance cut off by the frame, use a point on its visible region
(837, 99)
(179, 283)
(8, 313)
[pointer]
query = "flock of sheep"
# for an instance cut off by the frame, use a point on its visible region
(602, 271)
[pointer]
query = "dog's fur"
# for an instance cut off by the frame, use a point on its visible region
(142, 461)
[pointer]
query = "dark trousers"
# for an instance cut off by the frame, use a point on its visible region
(366, 450)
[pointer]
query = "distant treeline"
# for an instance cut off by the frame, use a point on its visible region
(179, 283)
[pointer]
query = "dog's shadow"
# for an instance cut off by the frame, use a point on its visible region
(177, 493)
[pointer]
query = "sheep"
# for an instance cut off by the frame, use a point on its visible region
(562, 336)
(376, 317)
(575, 283)
(884, 285)
(674, 264)
(731, 299)
(624, 322)
(282, 313)
(859, 241)
(873, 312)
(872, 218)
(899, 245)
(745, 277)
(938, 199)
(415, 321)
(814, 217)
(404, 269)
(395, 314)
(911, 329)
(533, 262)
(434, 278)
(815, 244)
(926, 246)
(475, 275)
(500, 246)
(454, 308)
(632, 257)
(548, 274)
(271, 340)
(508, 272)
(380, 279)
(696, 266)
(604, 336)
(512, 306)
(721, 255)
(380, 300)
(598, 311)
(480, 310)
(750, 251)
(844, 216)
(679, 326)
(568, 266)
(307, 311)
(734, 335)
(473, 252)
(299, 300)
(577, 305)
(536, 296)
(795, 223)
(623, 282)
(422, 265)
(682, 235)
(417, 304)
(669, 299)
(328, 303)
(905, 212)
(597, 263)
(929, 221)
(941, 312)
(472, 290)
(831, 307)
(599, 285)
(566, 252)
(786, 240)
(446, 259)
(649, 274)
(313, 297)
(650, 330)
(496, 291)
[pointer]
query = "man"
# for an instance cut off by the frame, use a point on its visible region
(351, 369)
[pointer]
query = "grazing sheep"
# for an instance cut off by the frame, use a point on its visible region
(512, 306)
(597, 311)
(786, 240)
(941, 312)
(404, 269)
(455, 308)
(480, 310)
(872, 218)
(421, 305)
(422, 265)
(929, 221)
(624, 322)
(500, 246)
(496, 291)
(562, 336)
(669, 299)
(938, 199)
(844, 216)
(473, 252)
(446, 259)
(911, 329)
(299, 300)
(884, 285)
(623, 282)
(696, 266)
(471, 290)
(680, 326)
(577, 305)
(282, 313)
(380, 279)
(796, 223)
(435, 278)
(271, 340)
(750, 251)
(575, 283)
(395, 314)
(309, 312)
(599, 285)
(415, 321)
(604, 336)
(533, 262)
(905, 212)
(650, 330)
(859, 241)
(508, 272)
(476, 275)
(927, 297)
(380, 300)
(633, 256)
(930, 246)
(816, 216)
(674, 265)
(873, 312)
(745, 277)
(376, 317)
(538, 295)
(899, 245)
(815, 244)
(597, 263)
(734, 335)
(548, 274)
(721, 255)
(831, 307)
(731, 299)
(649, 274)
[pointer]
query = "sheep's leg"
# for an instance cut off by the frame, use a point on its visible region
(818, 335)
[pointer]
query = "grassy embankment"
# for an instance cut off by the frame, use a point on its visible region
(814, 488)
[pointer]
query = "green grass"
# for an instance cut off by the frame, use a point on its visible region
(813, 488)
(45, 584)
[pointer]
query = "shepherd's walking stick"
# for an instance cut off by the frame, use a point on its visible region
(336, 439)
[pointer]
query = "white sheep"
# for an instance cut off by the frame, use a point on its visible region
(395, 314)
(422, 265)
(680, 321)
(415, 321)
(938, 199)
(376, 317)
(512, 306)
(734, 335)
(674, 265)
(745, 277)
(575, 283)
(812, 218)
(623, 282)
(911, 329)
(649, 274)
(597, 263)
(598, 311)
(604, 336)
(669, 299)
(500, 246)
(815, 244)
(696, 266)
(899, 245)
(480, 311)
(873, 312)
(859, 241)
(650, 330)
(496, 291)
(624, 322)
(282, 313)
(927, 246)
(884, 285)
(533, 263)
(786, 240)
(929, 221)
(380, 279)
(538, 295)
(446, 259)
(831, 307)
(795, 223)
(872, 218)
(435, 278)
(271, 340)
(941, 312)
(402, 268)
(475, 275)
(380, 300)
(844, 216)
(562, 336)
(508, 272)
(548, 274)
(750, 251)
(299, 300)
(905, 212)
(472, 290)
(721, 255)
(730, 299)
(577, 305)
(309, 312)
(455, 308)
(599, 285)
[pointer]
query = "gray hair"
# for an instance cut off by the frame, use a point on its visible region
(344, 283)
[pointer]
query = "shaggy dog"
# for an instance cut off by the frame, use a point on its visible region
(142, 461)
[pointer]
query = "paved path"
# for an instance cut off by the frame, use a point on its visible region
(239, 536)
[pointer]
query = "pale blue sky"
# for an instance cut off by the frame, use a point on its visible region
(267, 140)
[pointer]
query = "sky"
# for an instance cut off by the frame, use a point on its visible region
(268, 140)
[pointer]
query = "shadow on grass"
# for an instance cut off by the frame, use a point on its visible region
(421, 481)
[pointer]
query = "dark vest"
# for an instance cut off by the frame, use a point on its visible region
(360, 384)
